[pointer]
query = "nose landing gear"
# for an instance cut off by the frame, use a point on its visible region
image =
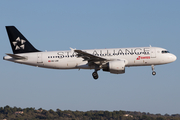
(153, 72)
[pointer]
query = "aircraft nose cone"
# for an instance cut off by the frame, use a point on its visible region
(173, 58)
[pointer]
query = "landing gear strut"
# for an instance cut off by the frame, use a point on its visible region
(153, 72)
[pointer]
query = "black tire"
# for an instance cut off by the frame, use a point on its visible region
(95, 75)
(153, 73)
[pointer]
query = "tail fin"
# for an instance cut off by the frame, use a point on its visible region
(18, 42)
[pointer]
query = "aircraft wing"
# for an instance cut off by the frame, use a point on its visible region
(16, 56)
(88, 56)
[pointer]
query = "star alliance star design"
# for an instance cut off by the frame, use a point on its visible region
(19, 43)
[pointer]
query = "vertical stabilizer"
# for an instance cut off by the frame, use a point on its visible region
(18, 42)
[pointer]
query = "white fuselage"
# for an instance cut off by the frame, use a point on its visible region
(112, 60)
(140, 56)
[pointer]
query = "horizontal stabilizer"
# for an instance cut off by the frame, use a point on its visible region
(16, 56)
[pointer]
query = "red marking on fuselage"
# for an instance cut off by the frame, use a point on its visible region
(142, 57)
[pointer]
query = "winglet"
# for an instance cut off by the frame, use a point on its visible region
(72, 49)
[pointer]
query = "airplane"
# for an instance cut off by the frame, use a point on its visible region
(113, 60)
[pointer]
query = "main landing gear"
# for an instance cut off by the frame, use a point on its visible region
(153, 72)
(95, 74)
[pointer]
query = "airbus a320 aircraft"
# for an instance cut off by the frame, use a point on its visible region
(112, 60)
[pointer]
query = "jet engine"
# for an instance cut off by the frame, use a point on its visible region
(115, 67)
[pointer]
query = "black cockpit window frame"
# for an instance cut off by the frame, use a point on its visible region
(165, 51)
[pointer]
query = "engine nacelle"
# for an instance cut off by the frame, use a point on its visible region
(116, 67)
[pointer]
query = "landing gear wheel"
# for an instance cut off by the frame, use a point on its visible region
(95, 75)
(153, 73)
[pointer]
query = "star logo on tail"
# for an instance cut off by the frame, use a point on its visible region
(19, 43)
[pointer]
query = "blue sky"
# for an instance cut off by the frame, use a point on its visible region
(58, 25)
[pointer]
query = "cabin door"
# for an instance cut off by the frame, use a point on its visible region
(39, 58)
(153, 53)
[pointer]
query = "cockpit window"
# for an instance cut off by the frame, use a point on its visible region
(165, 51)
